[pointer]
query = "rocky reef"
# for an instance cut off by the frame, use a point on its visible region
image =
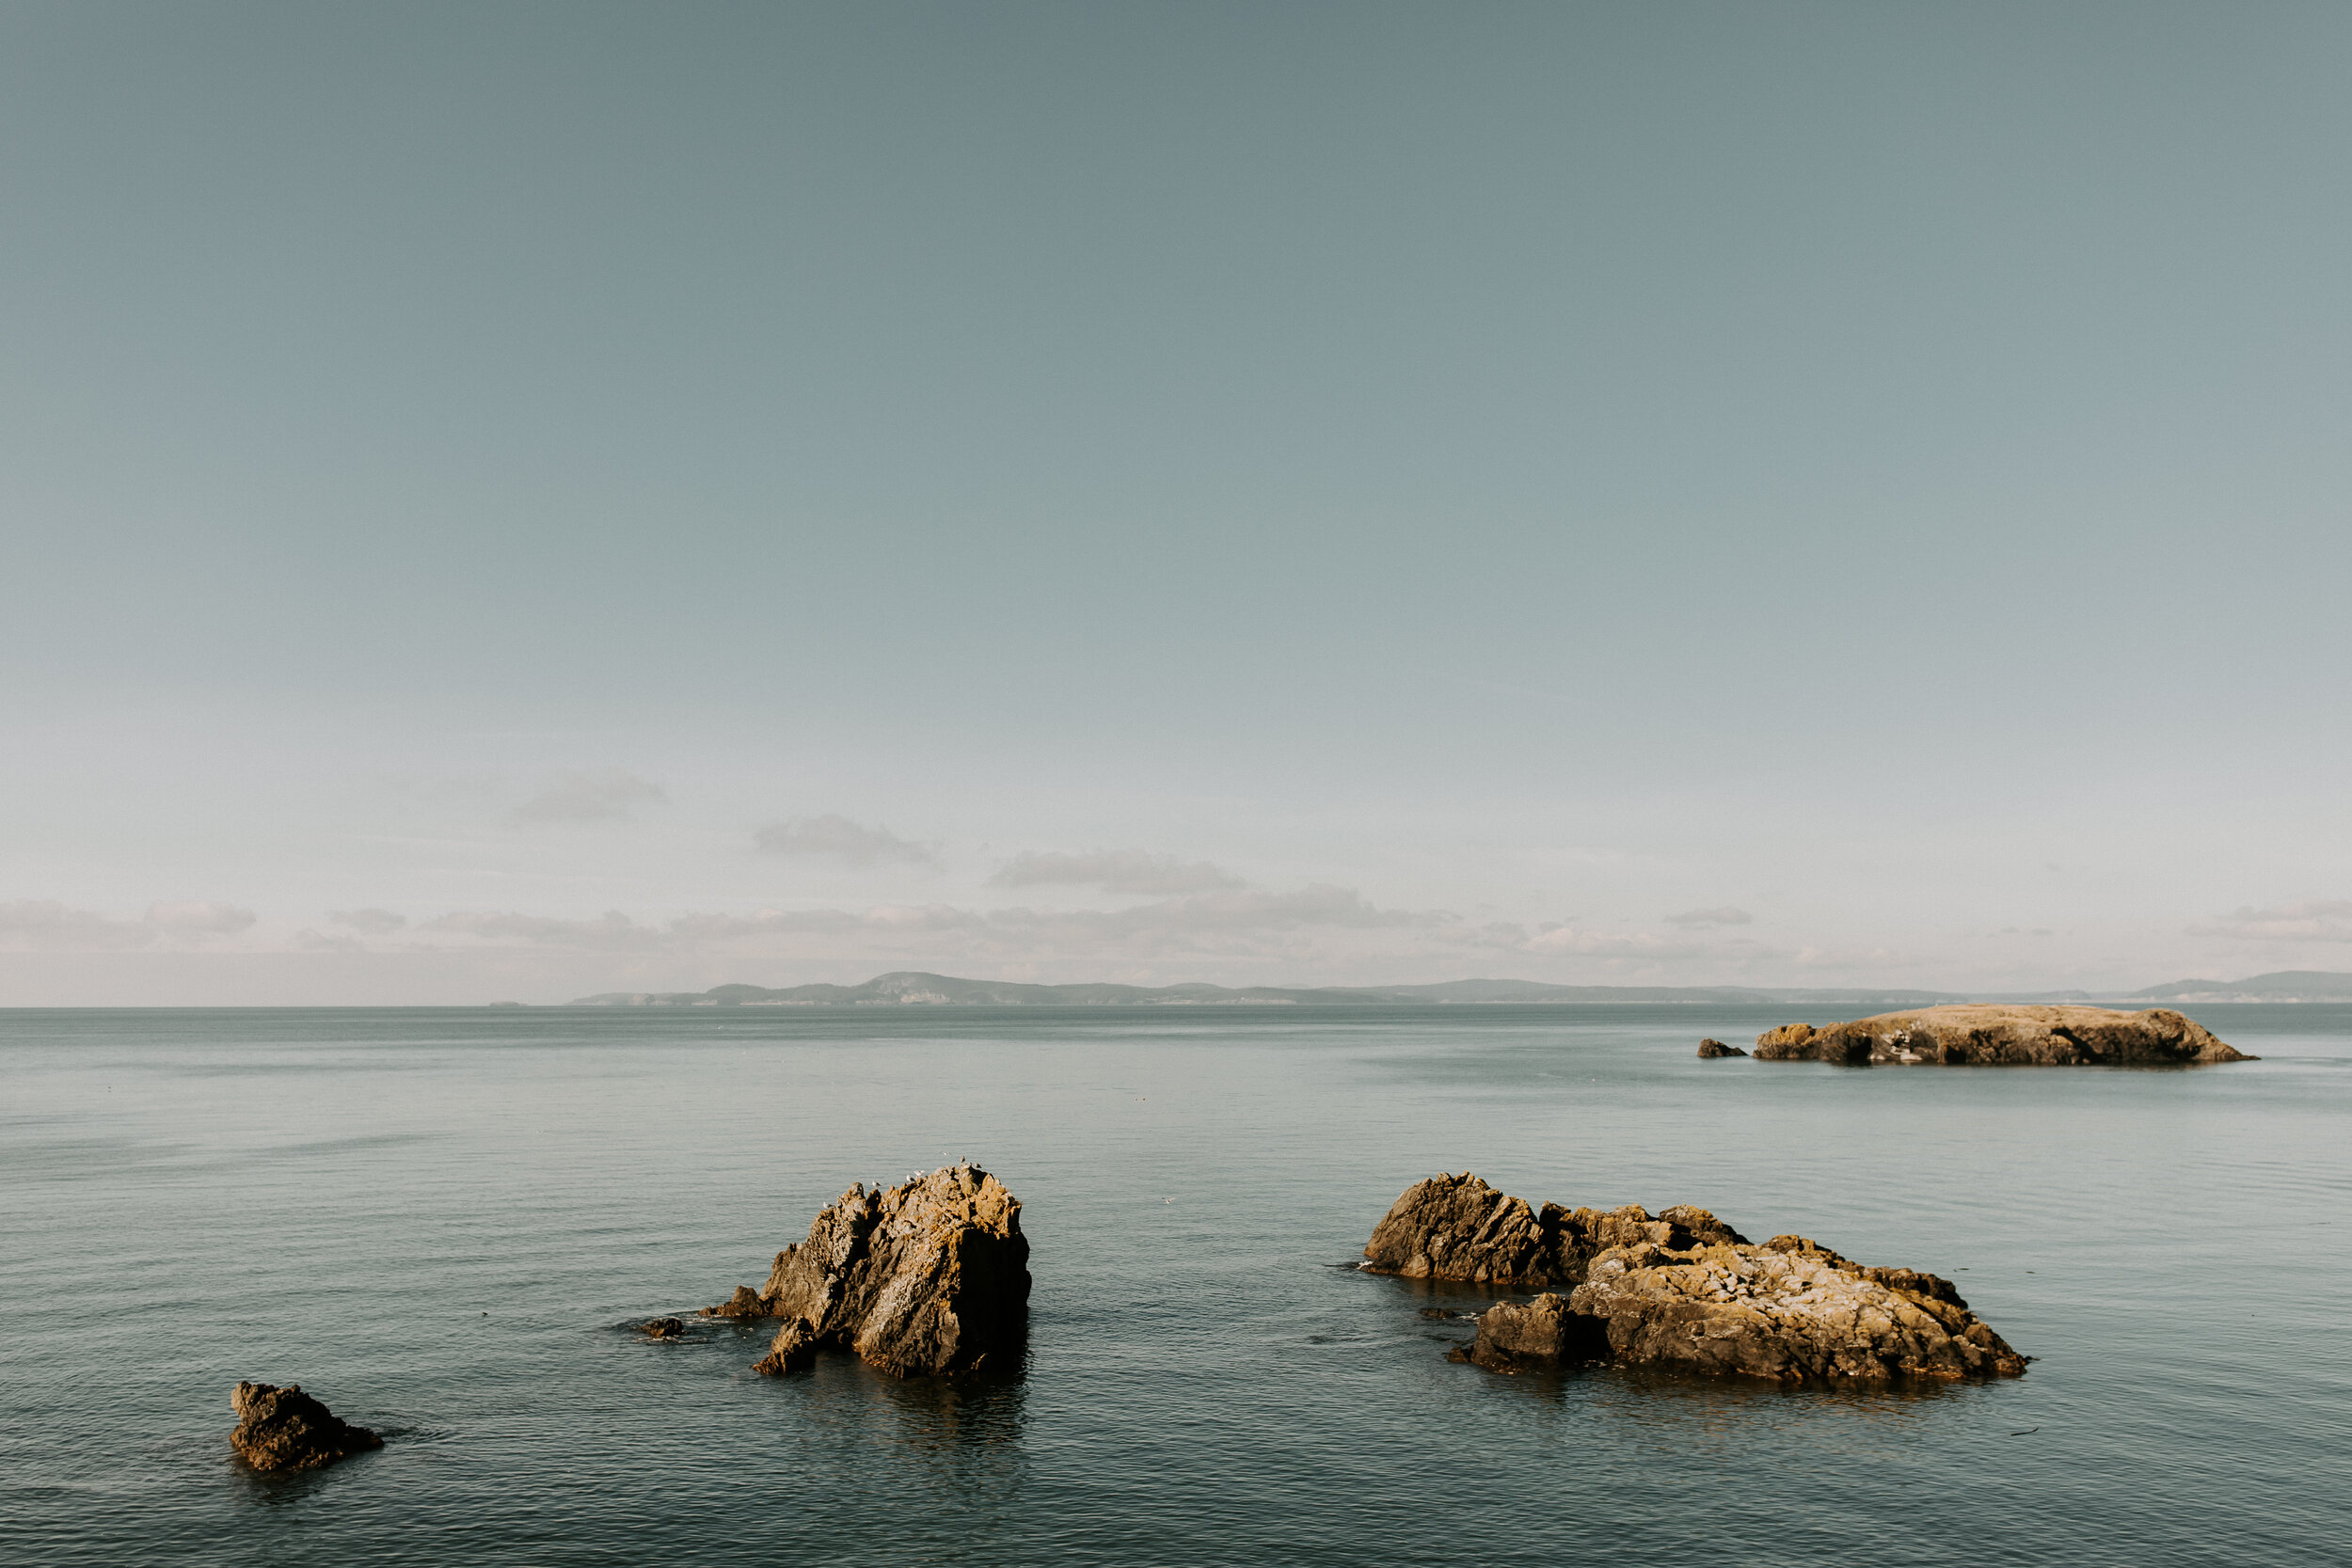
(1458, 1228)
(926, 1277)
(1679, 1290)
(1992, 1033)
(286, 1428)
(1717, 1048)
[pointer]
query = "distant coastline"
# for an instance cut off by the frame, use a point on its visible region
(914, 987)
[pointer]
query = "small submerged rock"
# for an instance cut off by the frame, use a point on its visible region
(663, 1328)
(286, 1428)
(926, 1277)
(1997, 1034)
(1717, 1048)
(1680, 1290)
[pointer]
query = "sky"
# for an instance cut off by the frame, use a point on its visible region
(508, 502)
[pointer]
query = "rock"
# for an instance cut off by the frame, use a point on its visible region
(1458, 1228)
(1543, 1332)
(745, 1303)
(1786, 1310)
(1679, 1289)
(1717, 1048)
(1998, 1033)
(793, 1349)
(930, 1277)
(286, 1428)
(664, 1329)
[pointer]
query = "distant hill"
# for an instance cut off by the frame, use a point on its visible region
(910, 987)
(2284, 985)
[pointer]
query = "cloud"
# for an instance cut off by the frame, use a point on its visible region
(837, 838)
(1567, 939)
(1722, 916)
(2315, 920)
(370, 922)
(612, 930)
(1113, 871)
(604, 796)
(46, 922)
(1224, 922)
(1868, 961)
(199, 918)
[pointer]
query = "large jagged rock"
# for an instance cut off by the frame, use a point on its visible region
(1990, 1034)
(1458, 1228)
(1679, 1290)
(1789, 1310)
(286, 1428)
(929, 1276)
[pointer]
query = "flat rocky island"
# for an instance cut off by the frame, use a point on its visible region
(926, 1277)
(2000, 1033)
(1679, 1290)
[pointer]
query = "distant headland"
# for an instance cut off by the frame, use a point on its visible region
(903, 988)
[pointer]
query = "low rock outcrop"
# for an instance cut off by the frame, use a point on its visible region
(1717, 1048)
(1998, 1034)
(1458, 1228)
(926, 1277)
(1679, 1290)
(286, 1428)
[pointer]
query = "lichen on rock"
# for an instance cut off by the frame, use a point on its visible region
(926, 1277)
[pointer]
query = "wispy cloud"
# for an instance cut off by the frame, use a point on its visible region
(48, 924)
(1113, 871)
(1194, 922)
(833, 837)
(1583, 942)
(2315, 920)
(1721, 915)
(370, 922)
(604, 796)
(199, 918)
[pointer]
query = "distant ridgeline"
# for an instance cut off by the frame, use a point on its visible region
(2284, 985)
(908, 986)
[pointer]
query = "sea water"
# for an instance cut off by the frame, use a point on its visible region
(443, 1223)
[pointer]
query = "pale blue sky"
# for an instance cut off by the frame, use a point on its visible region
(1486, 481)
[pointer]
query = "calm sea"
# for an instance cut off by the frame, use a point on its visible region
(439, 1220)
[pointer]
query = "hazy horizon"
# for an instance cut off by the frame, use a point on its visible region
(523, 503)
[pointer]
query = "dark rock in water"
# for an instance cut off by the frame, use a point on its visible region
(1717, 1048)
(665, 1328)
(745, 1303)
(1458, 1228)
(1543, 1332)
(1998, 1034)
(793, 1349)
(1680, 1290)
(286, 1428)
(929, 1276)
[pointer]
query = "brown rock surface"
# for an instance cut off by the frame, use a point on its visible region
(1790, 1312)
(1458, 1228)
(1681, 1290)
(1998, 1033)
(929, 1276)
(286, 1428)
(1716, 1048)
